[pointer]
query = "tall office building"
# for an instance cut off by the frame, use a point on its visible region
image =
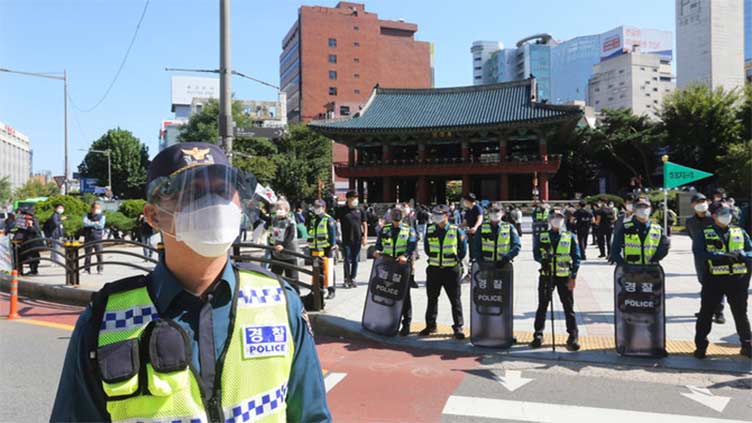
(636, 81)
(332, 57)
(563, 68)
(710, 43)
(15, 156)
(748, 39)
(482, 52)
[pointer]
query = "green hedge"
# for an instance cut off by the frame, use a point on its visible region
(75, 209)
(121, 222)
(132, 208)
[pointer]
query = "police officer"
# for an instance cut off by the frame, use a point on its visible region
(557, 252)
(540, 212)
(445, 245)
(726, 251)
(199, 338)
(322, 238)
(283, 236)
(583, 219)
(497, 241)
(398, 241)
(696, 224)
(604, 221)
(640, 241)
(94, 223)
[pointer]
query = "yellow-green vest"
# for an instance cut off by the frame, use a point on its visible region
(735, 243)
(495, 249)
(443, 254)
(562, 260)
(387, 241)
(540, 214)
(318, 234)
(635, 247)
(252, 374)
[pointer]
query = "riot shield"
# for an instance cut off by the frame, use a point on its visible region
(491, 299)
(387, 288)
(639, 310)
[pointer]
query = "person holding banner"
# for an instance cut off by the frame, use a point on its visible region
(322, 238)
(726, 251)
(559, 255)
(446, 246)
(399, 242)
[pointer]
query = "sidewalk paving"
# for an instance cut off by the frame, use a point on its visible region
(594, 304)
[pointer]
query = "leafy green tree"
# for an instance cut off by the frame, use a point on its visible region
(700, 124)
(258, 156)
(5, 191)
(132, 208)
(745, 112)
(204, 126)
(33, 188)
(130, 161)
(75, 209)
(305, 159)
(120, 222)
(579, 169)
(735, 172)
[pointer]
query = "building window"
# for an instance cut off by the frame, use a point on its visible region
(477, 59)
(356, 59)
(655, 69)
(642, 68)
(356, 43)
(332, 90)
(344, 110)
(621, 96)
(332, 42)
(597, 102)
(621, 70)
(647, 94)
(621, 83)
(597, 90)
(356, 91)
(332, 58)
(655, 101)
(356, 28)
(356, 76)
(333, 75)
(610, 99)
(477, 77)
(649, 106)
(610, 86)
(477, 68)
(655, 89)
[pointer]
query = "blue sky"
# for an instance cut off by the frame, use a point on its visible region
(89, 38)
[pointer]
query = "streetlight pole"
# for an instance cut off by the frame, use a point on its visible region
(108, 152)
(63, 78)
(225, 72)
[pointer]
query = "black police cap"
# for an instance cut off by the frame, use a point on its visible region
(179, 157)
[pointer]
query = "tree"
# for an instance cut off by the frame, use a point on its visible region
(700, 124)
(578, 170)
(204, 126)
(33, 188)
(130, 161)
(75, 209)
(305, 159)
(735, 172)
(258, 156)
(5, 191)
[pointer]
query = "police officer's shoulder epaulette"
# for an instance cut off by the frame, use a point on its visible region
(252, 267)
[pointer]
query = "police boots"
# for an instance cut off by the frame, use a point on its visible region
(746, 350)
(572, 343)
(537, 341)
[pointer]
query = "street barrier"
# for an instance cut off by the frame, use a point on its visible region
(13, 312)
(6, 258)
(639, 310)
(387, 289)
(491, 314)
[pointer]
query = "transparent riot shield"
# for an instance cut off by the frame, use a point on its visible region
(639, 310)
(385, 297)
(491, 299)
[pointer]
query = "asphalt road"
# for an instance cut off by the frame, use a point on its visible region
(369, 382)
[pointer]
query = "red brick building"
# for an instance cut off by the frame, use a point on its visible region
(332, 57)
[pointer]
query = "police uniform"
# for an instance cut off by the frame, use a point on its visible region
(559, 256)
(727, 254)
(322, 238)
(146, 349)
(445, 247)
(496, 243)
(396, 242)
(639, 243)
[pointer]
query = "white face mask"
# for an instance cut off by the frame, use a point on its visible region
(437, 218)
(701, 207)
(318, 210)
(60, 210)
(557, 222)
(643, 213)
(629, 207)
(209, 230)
(281, 213)
(98, 211)
(406, 211)
(724, 219)
(354, 203)
(495, 217)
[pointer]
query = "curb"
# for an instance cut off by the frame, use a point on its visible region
(57, 293)
(338, 327)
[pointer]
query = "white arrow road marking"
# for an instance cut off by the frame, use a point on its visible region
(706, 398)
(526, 411)
(513, 380)
(333, 379)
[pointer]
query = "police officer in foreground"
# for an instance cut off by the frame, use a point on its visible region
(726, 251)
(398, 241)
(496, 242)
(199, 338)
(445, 245)
(639, 241)
(322, 238)
(557, 252)
(695, 225)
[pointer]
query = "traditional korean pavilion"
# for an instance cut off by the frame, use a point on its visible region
(408, 143)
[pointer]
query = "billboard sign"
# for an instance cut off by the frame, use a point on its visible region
(88, 185)
(623, 38)
(185, 88)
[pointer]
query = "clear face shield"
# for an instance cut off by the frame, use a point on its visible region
(203, 206)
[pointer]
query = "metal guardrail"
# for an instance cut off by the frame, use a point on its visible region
(68, 255)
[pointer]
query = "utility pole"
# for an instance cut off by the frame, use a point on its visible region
(225, 72)
(63, 78)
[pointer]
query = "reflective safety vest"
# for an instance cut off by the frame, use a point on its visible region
(714, 244)
(494, 249)
(319, 233)
(145, 364)
(637, 251)
(540, 214)
(561, 262)
(387, 240)
(443, 253)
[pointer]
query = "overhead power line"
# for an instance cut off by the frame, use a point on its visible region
(120, 68)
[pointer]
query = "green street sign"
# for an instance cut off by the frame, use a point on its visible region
(675, 175)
